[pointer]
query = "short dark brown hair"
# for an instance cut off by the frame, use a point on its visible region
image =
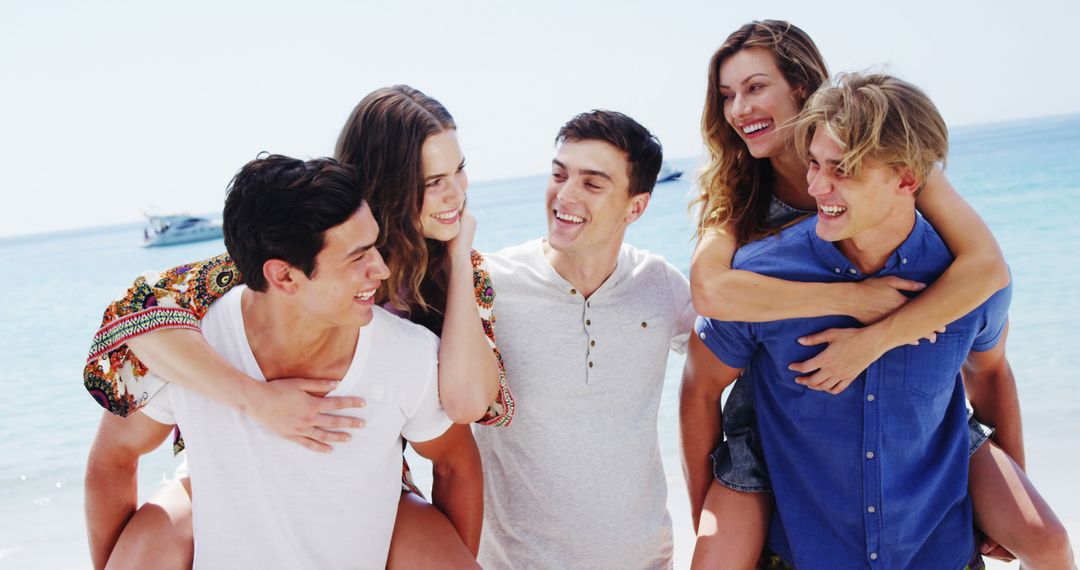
(279, 208)
(643, 151)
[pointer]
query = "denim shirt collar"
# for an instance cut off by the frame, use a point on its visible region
(907, 253)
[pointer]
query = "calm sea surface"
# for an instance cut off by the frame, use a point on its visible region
(1023, 177)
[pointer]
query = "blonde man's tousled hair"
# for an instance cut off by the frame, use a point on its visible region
(876, 116)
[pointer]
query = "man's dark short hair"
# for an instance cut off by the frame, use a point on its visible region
(278, 208)
(642, 148)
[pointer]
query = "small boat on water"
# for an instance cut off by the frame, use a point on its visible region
(668, 173)
(180, 228)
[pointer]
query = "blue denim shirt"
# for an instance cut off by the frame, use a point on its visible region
(876, 476)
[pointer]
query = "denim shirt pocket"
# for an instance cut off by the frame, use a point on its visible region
(932, 368)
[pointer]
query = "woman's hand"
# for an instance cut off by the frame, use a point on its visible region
(878, 297)
(296, 409)
(461, 245)
(850, 351)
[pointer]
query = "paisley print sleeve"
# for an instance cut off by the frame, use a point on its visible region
(501, 411)
(174, 299)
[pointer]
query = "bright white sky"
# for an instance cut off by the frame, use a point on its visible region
(110, 108)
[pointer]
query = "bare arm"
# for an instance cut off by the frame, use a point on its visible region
(978, 271)
(468, 370)
(284, 406)
(727, 294)
(457, 488)
(155, 324)
(703, 382)
(991, 388)
(111, 491)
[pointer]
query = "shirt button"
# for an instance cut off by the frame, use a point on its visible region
(592, 343)
(590, 364)
(644, 324)
(702, 335)
(903, 260)
(836, 269)
(851, 271)
(869, 397)
(573, 291)
(588, 322)
(873, 556)
(871, 509)
(869, 454)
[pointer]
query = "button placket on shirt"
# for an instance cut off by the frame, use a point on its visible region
(871, 468)
(586, 319)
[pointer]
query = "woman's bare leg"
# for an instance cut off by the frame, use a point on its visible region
(159, 534)
(424, 538)
(733, 528)
(1011, 511)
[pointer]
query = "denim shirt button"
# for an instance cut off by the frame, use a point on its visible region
(873, 556)
(869, 454)
(702, 335)
(869, 397)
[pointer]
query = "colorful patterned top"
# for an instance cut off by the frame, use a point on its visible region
(179, 297)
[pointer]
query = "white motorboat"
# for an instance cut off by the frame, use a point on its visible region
(180, 228)
(668, 173)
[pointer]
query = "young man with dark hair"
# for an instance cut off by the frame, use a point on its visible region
(585, 325)
(305, 241)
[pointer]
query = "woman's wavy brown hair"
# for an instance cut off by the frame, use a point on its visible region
(734, 185)
(383, 139)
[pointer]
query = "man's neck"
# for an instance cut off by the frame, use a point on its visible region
(790, 184)
(586, 272)
(286, 342)
(871, 248)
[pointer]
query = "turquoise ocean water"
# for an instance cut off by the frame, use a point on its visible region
(1023, 177)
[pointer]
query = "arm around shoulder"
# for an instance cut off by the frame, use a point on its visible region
(174, 300)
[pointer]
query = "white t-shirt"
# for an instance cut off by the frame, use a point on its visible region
(576, 481)
(261, 501)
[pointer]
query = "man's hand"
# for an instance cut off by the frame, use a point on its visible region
(296, 409)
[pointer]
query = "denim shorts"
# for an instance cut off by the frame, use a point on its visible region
(739, 464)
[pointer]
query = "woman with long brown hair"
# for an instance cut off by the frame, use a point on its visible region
(404, 146)
(754, 184)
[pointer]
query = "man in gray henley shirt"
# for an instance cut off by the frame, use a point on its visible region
(585, 324)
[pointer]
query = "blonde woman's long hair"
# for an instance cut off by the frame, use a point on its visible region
(735, 186)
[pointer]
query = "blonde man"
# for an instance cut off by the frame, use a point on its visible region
(875, 476)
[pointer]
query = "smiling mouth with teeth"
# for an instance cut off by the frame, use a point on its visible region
(447, 216)
(568, 217)
(831, 211)
(365, 296)
(755, 127)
